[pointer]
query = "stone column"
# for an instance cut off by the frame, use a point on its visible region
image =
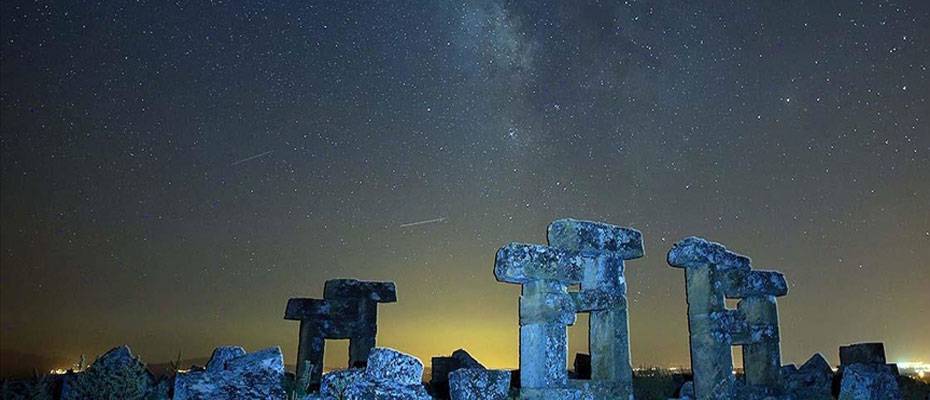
(762, 359)
(713, 273)
(604, 248)
(543, 336)
(310, 351)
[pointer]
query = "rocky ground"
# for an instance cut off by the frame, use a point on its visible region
(233, 373)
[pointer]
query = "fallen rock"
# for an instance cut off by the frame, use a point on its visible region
(115, 374)
(869, 382)
(335, 383)
(390, 375)
(387, 365)
(814, 380)
(258, 375)
(479, 384)
(221, 355)
(862, 353)
(441, 368)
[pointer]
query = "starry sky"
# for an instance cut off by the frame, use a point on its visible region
(172, 173)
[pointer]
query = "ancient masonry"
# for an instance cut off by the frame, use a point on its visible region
(714, 274)
(582, 253)
(348, 310)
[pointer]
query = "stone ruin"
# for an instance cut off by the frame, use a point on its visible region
(865, 374)
(591, 255)
(714, 274)
(348, 310)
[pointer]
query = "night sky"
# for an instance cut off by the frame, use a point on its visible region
(173, 173)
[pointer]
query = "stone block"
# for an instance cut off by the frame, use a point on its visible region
(813, 381)
(379, 292)
(588, 236)
(696, 252)
(221, 355)
(258, 375)
(522, 263)
(387, 365)
(862, 353)
(869, 382)
(334, 383)
(479, 384)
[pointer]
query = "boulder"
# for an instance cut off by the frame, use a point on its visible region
(390, 375)
(115, 374)
(258, 375)
(814, 380)
(862, 353)
(221, 355)
(391, 366)
(367, 390)
(335, 383)
(479, 384)
(442, 366)
(869, 382)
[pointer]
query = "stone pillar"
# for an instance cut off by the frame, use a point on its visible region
(713, 274)
(603, 294)
(762, 359)
(543, 335)
(348, 310)
(310, 351)
(591, 255)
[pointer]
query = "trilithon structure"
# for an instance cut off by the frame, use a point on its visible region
(591, 255)
(714, 274)
(348, 310)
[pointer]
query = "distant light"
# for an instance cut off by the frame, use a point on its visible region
(921, 374)
(58, 371)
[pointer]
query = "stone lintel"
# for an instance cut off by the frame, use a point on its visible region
(299, 309)
(379, 292)
(694, 252)
(588, 236)
(521, 263)
(742, 283)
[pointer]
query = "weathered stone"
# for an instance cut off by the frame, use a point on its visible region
(335, 383)
(366, 390)
(588, 236)
(258, 375)
(479, 384)
(221, 355)
(118, 372)
(696, 252)
(713, 274)
(380, 292)
(862, 353)
(391, 366)
(442, 366)
(570, 393)
(592, 255)
(814, 380)
(390, 375)
(522, 263)
(869, 382)
(349, 310)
